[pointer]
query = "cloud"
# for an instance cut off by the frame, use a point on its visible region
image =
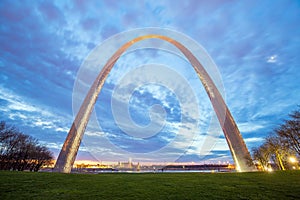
(254, 45)
(51, 12)
(36, 116)
(250, 127)
(254, 140)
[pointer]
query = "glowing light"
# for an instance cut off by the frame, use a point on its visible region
(292, 159)
(272, 59)
(270, 169)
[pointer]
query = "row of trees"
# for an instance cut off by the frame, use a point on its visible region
(21, 152)
(282, 147)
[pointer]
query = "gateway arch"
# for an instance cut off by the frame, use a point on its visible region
(237, 146)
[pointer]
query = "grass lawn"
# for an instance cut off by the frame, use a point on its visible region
(255, 185)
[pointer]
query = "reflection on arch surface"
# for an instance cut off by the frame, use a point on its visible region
(232, 134)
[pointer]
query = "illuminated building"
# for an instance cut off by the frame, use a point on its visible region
(126, 165)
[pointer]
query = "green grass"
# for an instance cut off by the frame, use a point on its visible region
(27, 185)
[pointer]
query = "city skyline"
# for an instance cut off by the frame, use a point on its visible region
(253, 44)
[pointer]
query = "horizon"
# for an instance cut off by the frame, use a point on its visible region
(254, 45)
(90, 162)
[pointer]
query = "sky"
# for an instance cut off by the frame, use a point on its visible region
(44, 62)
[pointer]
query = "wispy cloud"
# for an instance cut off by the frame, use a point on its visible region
(254, 44)
(40, 117)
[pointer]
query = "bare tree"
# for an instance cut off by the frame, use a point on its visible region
(21, 152)
(289, 132)
(262, 155)
(281, 144)
(279, 151)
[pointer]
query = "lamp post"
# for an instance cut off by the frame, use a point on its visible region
(294, 162)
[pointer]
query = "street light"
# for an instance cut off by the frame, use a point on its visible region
(293, 159)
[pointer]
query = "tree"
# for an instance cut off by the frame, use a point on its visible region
(279, 151)
(282, 143)
(289, 132)
(40, 156)
(21, 152)
(262, 155)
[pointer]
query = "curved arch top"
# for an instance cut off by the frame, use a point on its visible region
(232, 134)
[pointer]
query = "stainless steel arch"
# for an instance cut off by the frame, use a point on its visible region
(232, 134)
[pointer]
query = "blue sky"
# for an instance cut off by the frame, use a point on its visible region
(254, 44)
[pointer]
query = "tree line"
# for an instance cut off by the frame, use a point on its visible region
(282, 147)
(21, 152)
